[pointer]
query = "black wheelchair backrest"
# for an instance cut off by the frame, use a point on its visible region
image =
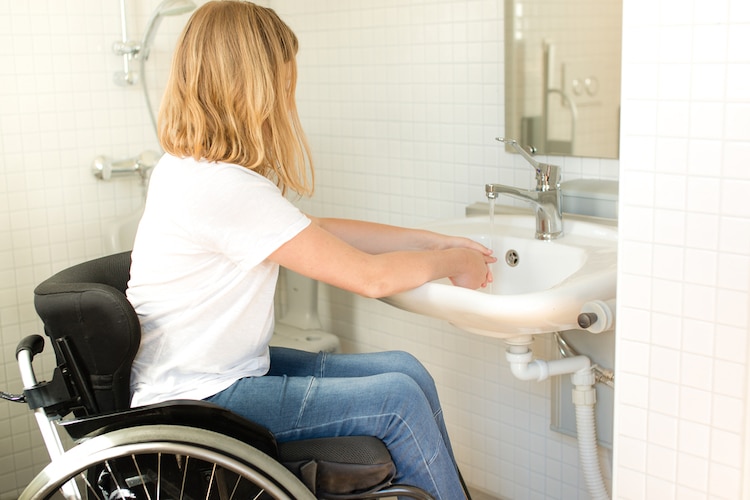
(94, 329)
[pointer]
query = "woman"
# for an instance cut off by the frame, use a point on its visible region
(216, 228)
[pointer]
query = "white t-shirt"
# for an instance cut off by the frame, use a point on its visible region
(200, 280)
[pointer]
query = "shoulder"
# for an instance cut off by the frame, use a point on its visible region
(175, 165)
(200, 177)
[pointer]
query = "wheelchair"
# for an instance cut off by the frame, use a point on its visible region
(172, 450)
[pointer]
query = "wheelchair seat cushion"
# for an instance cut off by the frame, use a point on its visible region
(339, 465)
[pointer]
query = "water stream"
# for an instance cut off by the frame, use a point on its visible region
(491, 243)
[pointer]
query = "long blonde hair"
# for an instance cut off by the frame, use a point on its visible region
(231, 94)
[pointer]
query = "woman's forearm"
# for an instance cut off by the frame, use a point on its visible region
(375, 238)
(319, 254)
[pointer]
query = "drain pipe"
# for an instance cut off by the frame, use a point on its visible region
(525, 367)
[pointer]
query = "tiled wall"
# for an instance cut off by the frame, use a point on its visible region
(682, 382)
(402, 100)
(59, 108)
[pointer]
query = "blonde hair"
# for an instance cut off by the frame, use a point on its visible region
(231, 94)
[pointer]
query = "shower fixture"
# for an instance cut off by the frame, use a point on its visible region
(166, 8)
(130, 50)
(104, 167)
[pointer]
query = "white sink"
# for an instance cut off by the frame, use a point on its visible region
(543, 293)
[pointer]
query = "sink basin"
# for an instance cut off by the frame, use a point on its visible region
(539, 286)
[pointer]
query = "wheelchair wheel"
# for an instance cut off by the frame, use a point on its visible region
(168, 463)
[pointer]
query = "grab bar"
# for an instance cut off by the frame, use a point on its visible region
(105, 168)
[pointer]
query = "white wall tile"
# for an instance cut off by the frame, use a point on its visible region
(665, 330)
(701, 266)
(661, 462)
(707, 229)
(702, 231)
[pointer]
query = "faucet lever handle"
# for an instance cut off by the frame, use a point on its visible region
(547, 175)
(514, 144)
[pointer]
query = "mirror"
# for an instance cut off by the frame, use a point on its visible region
(562, 76)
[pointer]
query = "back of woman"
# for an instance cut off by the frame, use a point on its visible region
(216, 228)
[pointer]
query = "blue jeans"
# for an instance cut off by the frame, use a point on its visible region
(389, 395)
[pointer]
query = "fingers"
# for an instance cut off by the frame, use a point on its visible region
(488, 261)
(488, 278)
(459, 241)
(477, 273)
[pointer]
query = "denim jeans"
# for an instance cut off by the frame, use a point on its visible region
(389, 395)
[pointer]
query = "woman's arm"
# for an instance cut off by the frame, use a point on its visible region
(377, 269)
(375, 238)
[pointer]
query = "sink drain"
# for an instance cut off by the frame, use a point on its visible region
(511, 258)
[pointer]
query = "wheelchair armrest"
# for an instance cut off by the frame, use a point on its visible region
(188, 413)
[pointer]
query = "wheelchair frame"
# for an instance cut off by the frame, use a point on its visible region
(177, 448)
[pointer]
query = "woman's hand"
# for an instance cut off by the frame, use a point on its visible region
(472, 276)
(476, 272)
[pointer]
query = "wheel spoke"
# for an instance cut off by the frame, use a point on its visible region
(89, 487)
(211, 481)
(158, 478)
(236, 485)
(184, 476)
(140, 476)
(113, 476)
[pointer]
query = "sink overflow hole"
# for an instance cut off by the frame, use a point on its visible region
(511, 258)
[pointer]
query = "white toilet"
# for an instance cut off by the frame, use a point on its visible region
(297, 324)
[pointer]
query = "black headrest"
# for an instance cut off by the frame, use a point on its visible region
(85, 307)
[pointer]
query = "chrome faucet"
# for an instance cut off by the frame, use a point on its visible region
(546, 198)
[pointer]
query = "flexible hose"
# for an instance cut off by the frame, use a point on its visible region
(147, 97)
(587, 451)
(524, 367)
